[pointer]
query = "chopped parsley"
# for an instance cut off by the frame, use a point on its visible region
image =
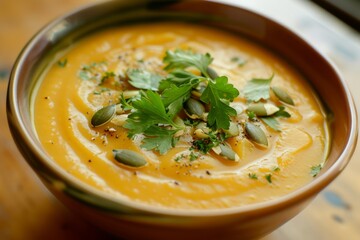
(206, 144)
(239, 61)
(253, 176)
(257, 89)
(315, 170)
(268, 177)
(62, 63)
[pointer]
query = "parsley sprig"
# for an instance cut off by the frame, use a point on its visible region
(166, 97)
(216, 94)
(180, 59)
(153, 113)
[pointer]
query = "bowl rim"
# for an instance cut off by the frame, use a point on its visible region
(17, 126)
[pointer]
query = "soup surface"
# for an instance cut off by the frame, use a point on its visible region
(269, 136)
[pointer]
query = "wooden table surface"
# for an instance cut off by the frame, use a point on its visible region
(29, 211)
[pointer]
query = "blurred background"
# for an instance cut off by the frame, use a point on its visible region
(28, 210)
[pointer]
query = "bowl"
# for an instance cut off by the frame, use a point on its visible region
(135, 221)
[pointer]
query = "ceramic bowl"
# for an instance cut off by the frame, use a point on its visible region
(135, 221)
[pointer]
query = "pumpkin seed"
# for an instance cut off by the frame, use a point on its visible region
(200, 133)
(216, 150)
(198, 90)
(119, 109)
(233, 130)
(203, 126)
(228, 153)
(119, 120)
(130, 94)
(196, 94)
(103, 116)
(212, 73)
(282, 95)
(263, 109)
(129, 158)
(181, 123)
(194, 108)
(237, 106)
(256, 134)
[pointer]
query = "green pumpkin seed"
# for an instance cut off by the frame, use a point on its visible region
(200, 133)
(103, 116)
(194, 109)
(119, 109)
(119, 120)
(238, 107)
(256, 134)
(263, 109)
(181, 123)
(129, 158)
(130, 94)
(212, 73)
(196, 94)
(282, 95)
(233, 130)
(228, 153)
(198, 90)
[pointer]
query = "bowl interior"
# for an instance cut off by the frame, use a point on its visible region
(63, 32)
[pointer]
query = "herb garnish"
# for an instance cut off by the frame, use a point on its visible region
(258, 88)
(315, 170)
(240, 62)
(143, 79)
(180, 59)
(271, 120)
(268, 177)
(62, 63)
(157, 110)
(253, 176)
(216, 95)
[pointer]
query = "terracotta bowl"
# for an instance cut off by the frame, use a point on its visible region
(135, 221)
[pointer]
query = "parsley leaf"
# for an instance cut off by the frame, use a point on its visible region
(215, 94)
(257, 89)
(181, 59)
(272, 123)
(174, 97)
(149, 111)
(143, 79)
(282, 113)
(151, 119)
(159, 139)
(271, 120)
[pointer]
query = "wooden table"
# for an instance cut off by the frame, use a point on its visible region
(29, 211)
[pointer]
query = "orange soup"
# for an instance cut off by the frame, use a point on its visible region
(180, 116)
